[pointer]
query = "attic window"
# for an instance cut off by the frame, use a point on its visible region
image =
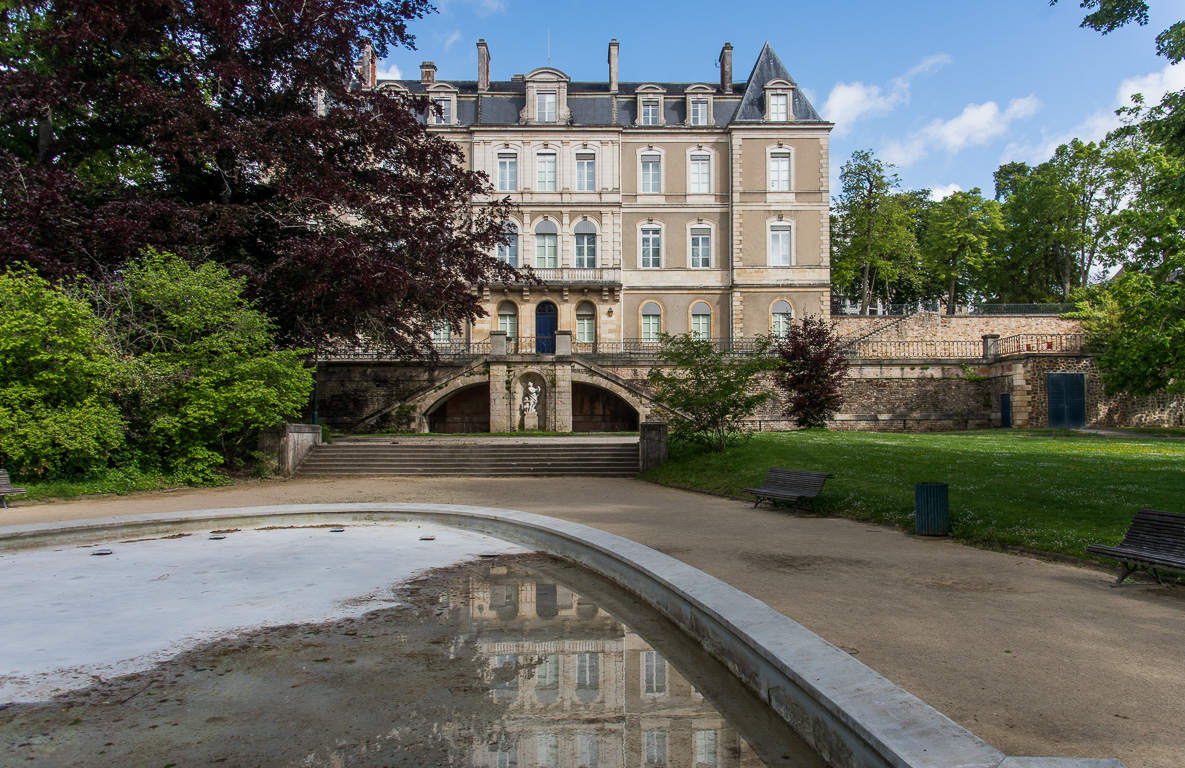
(779, 104)
(650, 108)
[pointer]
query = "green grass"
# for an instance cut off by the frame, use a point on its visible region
(119, 482)
(1049, 490)
(1157, 431)
(521, 433)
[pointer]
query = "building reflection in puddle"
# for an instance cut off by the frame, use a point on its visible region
(581, 689)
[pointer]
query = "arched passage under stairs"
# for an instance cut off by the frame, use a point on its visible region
(596, 409)
(466, 410)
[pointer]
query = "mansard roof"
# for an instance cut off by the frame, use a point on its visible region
(591, 103)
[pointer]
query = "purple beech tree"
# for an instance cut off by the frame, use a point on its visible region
(233, 130)
(810, 368)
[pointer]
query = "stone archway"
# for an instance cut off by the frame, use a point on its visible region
(596, 409)
(465, 410)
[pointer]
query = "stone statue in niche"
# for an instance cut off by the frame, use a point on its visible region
(531, 398)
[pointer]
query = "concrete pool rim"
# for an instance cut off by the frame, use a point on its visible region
(848, 712)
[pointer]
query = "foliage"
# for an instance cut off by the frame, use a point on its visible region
(58, 374)
(960, 229)
(1050, 490)
(1137, 325)
(205, 370)
(233, 130)
(707, 392)
(872, 229)
(811, 370)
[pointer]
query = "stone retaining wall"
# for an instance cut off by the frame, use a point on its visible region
(928, 326)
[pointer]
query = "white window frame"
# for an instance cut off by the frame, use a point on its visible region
(445, 116)
(779, 107)
(586, 170)
(774, 331)
(707, 744)
(654, 674)
(508, 321)
(647, 260)
(546, 179)
(508, 254)
(700, 327)
(547, 246)
(655, 749)
(699, 183)
(700, 111)
(588, 671)
(585, 241)
(781, 177)
(442, 332)
(546, 106)
(586, 324)
(650, 185)
(649, 110)
(776, 256)
(651, 330)
(692, 235)
(776, 91)
(507, 170)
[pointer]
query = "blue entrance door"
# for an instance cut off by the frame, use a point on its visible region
(546, 321)
(1067, 400)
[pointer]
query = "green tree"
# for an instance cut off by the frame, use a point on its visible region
(811, 368)
(871, 229)
(207, 373)
(707, 392)
(958, 237)
(58, 374)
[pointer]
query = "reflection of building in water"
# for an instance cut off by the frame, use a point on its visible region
(580, 689)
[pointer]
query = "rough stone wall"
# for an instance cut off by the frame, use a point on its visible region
(348, 392)
(1102, 410)
(930, 326)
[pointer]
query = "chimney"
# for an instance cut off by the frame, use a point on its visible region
(613, 65)
(483, 66)
(427, 72)
(726, 68)
(368, 67)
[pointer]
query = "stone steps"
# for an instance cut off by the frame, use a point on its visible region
(591, 458)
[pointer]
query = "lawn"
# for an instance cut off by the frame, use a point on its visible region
(1050, 490)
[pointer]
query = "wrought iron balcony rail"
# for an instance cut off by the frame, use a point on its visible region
(450, 350)
(840, 308)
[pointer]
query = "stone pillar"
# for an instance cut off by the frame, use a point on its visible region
(991, 346)
(498, 343)
(289, 444)
(652, 445)
(563, 342)
(561, 397)
(503, 412)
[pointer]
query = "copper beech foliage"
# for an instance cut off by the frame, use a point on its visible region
(229, 130)
(811, 368)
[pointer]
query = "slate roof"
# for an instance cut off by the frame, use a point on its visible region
(591, 103)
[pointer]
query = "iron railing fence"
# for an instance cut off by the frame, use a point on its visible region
(844, 308)
(1017, 309)
(1042, 343)
(452, 350)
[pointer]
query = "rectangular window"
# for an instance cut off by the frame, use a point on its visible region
(779, 107)
(651, 248)
(654, 668)
(586, 251)
(586, 328)
(656, 750)
(508, 323)
(779, 172)
(545, 177)
(446, 112)
(588, 671)
(701, 247)
(546, 107)
(779, 245)
(547, 674)
(545, 251)
(507, 172)
(441, 332)
(699, 111)
(651, 327)
(652, 174)
(547, 751)
(650, 112)
(586, 172)
(508, 253)
(781, 324)
(700, 182)
(588, 751)
(705, 749)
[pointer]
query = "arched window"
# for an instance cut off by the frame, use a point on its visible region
(586, 322)
(586, 244)
(782, 315)
(508, 252)
(508, 319)
(546, 240)
(701, 320)
(651, 321)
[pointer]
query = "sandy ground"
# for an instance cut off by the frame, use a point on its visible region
(1037, 658)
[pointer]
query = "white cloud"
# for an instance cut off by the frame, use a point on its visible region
(1152, 86)
(452, 39)
(942, 191)
(389, 70)
(976, 125)
(849, 102)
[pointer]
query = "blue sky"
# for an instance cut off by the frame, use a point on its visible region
(946, 90)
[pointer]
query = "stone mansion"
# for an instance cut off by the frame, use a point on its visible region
(645, 207)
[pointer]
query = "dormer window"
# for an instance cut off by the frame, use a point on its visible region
(443, 112)
(545, 113)
(443, 98)
(699, 111)
(777, 101)
(699, 104)
(650, 112)
(650, 105)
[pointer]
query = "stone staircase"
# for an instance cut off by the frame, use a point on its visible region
(490, 457)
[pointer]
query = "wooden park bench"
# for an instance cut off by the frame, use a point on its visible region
(1153, 540)
(6, 489)
(790, 485)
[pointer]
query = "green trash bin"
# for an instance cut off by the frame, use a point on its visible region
(931, 509)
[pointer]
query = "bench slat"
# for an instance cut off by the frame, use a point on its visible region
(1154, 539)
